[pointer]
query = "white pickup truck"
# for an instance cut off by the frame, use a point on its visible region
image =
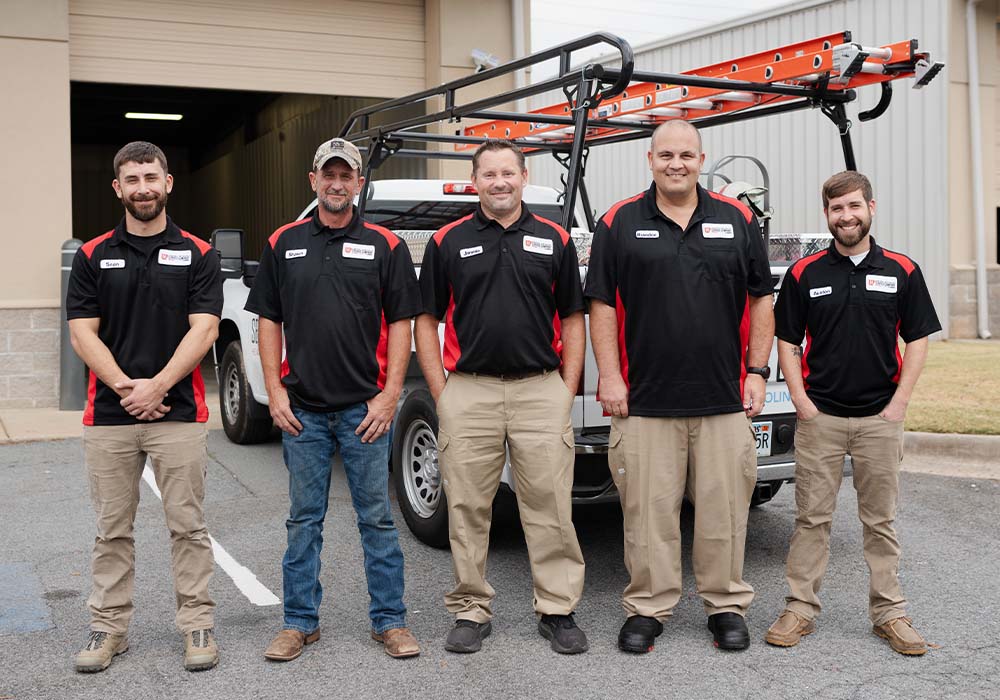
(414, 210)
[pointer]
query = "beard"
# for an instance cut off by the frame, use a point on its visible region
(148, 213)
(849, 240)
(335, 207)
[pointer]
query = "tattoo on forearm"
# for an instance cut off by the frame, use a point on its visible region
(797, 351)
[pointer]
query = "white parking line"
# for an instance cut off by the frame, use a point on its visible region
(245, 580)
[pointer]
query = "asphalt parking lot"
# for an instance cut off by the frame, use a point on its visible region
(951, 545)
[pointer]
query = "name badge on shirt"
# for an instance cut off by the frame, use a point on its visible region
(539, 246)
(177, 258)
(647, 234)
(881, 283)
(469, 252)
(717, 230)
(112, 264)
(820, 291)
(297, 253)
(358, 251)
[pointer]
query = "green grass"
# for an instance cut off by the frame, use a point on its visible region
(959, 390)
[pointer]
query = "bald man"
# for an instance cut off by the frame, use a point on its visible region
(682, 325)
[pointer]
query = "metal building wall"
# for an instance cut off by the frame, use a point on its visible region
(904, 152)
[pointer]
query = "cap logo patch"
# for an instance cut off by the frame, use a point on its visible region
(469, 252)
(112, 264)
(358, 251)
(820, 292)
(881, 283)
(539, 246)
(297, 253)
(647, 234)
(717, 230)
(180, 258)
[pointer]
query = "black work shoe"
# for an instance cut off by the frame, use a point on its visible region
(467, 636)
(729, 631)
(638, 634)
(562, 631)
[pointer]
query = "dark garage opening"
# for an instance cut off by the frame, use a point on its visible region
(239, 159)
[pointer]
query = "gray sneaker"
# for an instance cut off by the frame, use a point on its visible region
(467, 636)
(200, 651)
(101, 649)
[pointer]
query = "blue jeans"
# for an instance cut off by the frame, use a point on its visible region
(309, 460)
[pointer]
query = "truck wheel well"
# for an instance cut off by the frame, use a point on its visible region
(228, 332)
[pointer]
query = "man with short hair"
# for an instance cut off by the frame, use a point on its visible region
(344, 292)
(850, 387)
(681, 324)
(506, 282)
(143, 304)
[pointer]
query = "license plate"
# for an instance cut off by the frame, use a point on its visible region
(762, 432)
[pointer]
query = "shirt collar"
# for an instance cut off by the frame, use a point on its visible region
(173, 233)
(874, 259)
(352, 230)
(704, 209)
(523, 223)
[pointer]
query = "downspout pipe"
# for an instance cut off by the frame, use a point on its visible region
(975, 135)
(518, 44)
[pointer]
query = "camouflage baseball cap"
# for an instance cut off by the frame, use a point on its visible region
(337, 148)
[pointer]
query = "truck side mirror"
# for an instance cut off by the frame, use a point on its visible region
(229, 243)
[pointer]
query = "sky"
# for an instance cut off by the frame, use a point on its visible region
(637, 21)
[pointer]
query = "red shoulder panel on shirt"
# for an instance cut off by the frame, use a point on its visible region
(391, 238)
(273, 240)
(744, 209)
(443, 231)
(203, 246)
(559, 229)
(610, 216)
(88, 247)
(904, 262)
(799, 267)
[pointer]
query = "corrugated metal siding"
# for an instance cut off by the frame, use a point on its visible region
(355, 47)
(903, 152)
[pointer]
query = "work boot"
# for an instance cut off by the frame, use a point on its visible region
(639, 634)
(200, 650)
(467, 636)
(564, 635)
(101, 649)
(902, 637)
(788, 629)
(729, 631)
(399, 643)
(287, 645)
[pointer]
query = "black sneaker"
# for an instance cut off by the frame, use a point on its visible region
(467, 636)
(729, 631)
(562, 632)
(639, 633)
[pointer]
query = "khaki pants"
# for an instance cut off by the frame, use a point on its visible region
(876, 446)
(115, 457)
(654, 462)
(481, 418)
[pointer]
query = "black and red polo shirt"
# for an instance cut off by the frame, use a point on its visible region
(501, 292)
(143, 290)
(852, 317)
(336, 290)
(682, 300)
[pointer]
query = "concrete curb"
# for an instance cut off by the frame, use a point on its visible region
(977, 448)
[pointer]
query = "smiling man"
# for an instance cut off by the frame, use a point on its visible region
(850, 388)
(343, 291)
(143, 304)
(506, 282)
(681, 325)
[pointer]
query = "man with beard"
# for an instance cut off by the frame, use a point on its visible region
(681, 324)
(344, 291)
(143, 304)
(850, 387)
(506, 282)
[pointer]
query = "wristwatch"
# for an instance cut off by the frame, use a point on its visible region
(765, 371)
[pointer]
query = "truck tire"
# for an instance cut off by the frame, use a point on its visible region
(763, 492)
(244, 420)
(415, 471)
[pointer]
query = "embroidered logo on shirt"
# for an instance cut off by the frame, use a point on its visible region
(881, 283)
(361, 252)
(180, 258)
(540, 246)
(297, 253)
(469, 252)
(647, 234)
(820, 292)
(717, 230)
(112, 264)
